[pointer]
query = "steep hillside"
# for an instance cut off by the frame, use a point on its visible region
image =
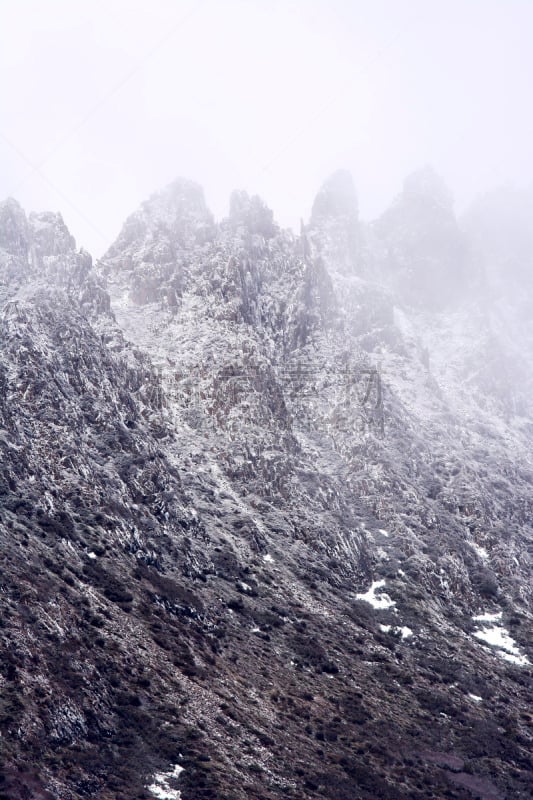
(265, 506)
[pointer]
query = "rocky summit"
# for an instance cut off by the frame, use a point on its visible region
(266, 502)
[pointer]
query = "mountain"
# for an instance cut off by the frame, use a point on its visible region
(424, 247)
(265, 502)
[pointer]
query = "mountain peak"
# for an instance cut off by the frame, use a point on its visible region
(50, 234)
(251, 212)
(336, 198)
(183, 191)
(14, 234)
(334, 224)
(180, 200)
(427, 184)
(426, 255)
(178, 211)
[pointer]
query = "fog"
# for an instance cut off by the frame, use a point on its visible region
(103, 103)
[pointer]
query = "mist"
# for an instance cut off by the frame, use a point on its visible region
(104, 103)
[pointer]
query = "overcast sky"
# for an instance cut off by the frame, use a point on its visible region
(103, 102)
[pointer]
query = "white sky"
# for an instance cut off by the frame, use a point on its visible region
(103, 102)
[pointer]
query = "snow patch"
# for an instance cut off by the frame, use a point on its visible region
(520, 659)
(481, 551)
(499, 637)
(403, 630)
(476, 698)
(488, 617)
(92, 555)
(160, 787)
(381, 601)
(268, 558)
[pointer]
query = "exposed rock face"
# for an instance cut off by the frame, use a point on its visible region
(265, 518)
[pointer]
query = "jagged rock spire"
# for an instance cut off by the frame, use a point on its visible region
(427, 185)
(334, 225)
(336, 199)
(178, 212)
(424, 247)
(51, 237)
(14, 234)
(252, 213)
